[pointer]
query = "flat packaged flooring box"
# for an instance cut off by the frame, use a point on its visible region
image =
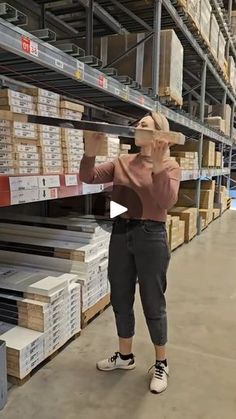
(216, 122)
(72, 106)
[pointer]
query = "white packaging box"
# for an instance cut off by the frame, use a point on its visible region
(4, 139)
(43, 100)
(13, 101)
(5, 131)
(21, 148)
(6, 156)
(13, 94)
(28, 163)
(5, 123)
(28, 171)
(7, 171)
(50, 136)
(68, 114)
(5, 147)
(7, 163)
(51, 114)
(50, 143)
(25, 110)
(51, 151)
(27, 156)
(26, 126)
(19, 133)
(49, 129)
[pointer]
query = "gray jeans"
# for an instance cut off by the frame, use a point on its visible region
(139, 249)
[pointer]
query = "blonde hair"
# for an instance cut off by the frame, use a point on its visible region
(160, 121)
(162, 124)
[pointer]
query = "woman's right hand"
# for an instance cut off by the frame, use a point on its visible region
(93, 142)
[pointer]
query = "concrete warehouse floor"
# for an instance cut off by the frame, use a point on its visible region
(202, 350)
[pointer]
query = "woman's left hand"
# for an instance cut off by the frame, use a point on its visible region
(159, 150)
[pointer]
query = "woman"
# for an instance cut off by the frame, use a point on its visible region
(138, 246)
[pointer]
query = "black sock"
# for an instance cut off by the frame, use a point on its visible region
(126, 357)
(163, 362)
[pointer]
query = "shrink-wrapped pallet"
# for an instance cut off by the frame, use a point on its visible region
(214, 34)
(171, 66)
(221, 50)
(205, 19)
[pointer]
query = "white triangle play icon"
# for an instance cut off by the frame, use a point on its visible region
(116, 209)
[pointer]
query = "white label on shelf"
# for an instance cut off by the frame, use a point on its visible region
(79, 74)
(46, 193)
(102, 81)
(34, 49)
(49, 181)
(59, 64)
(90, 189)
(24, 196)
(24, 182)
(71, 180)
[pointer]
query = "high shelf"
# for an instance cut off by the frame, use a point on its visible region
(81, 76)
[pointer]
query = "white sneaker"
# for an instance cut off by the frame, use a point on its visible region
(115, 363)
(159, 380)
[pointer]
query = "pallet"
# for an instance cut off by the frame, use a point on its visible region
(91, 313)
(21, 381)
(171, 101)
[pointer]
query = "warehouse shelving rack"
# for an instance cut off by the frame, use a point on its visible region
(83, 77)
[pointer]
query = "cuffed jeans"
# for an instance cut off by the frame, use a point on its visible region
(139, 249)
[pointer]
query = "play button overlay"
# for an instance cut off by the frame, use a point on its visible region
(116, 209)
(115, 203)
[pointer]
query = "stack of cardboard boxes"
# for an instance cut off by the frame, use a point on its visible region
(187, 195)
(187, 160)
(192, 146)
(176, 232)
(19, 152)
(72, 149)
(51, 149)
(189, 216)
(17, 102)
(71, 110)
(48, 315)
(47, 103)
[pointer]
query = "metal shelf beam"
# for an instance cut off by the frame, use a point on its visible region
(25, 45)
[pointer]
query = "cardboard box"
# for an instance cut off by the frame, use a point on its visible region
(171, 66)
(207, 215)
(231, 71)
(205, 19)
(214, 34)
(216, 122)
(34, 91)
(72, 106)
(221, 49)
(187, 197)
(218, 159)
(192, 8)
(216, 213)
(225, 113)
(189, 216)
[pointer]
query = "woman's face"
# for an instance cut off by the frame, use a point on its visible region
(145, 123)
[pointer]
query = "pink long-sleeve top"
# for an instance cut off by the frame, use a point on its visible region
(147, 195)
